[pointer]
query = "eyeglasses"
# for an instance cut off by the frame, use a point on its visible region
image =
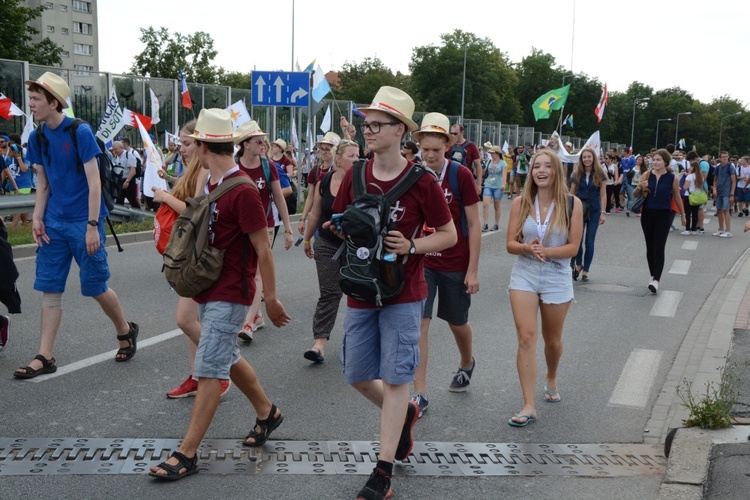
(325, 150)
(454, 133)
(258, 141)
(374, 127)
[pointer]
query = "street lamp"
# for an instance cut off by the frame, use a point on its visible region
(562, 109)
(632, 127)
(656, 141)
(721, 126)
(677, 125)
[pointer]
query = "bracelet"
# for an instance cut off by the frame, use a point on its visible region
(306, 242)
(288, 231)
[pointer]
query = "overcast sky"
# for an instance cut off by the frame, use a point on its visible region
(699, 46)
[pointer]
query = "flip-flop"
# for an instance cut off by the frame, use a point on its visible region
(314, 355)
(551, 394)
(529, 419)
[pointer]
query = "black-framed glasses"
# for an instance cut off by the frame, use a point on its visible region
(374, 127)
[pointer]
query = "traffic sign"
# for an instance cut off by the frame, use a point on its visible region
(281, 88)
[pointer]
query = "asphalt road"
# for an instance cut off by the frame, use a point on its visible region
(603, 329)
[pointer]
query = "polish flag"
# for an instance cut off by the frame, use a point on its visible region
(129, 118)
(7, 109)
(599, 111)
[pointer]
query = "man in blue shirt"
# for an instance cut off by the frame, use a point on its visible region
(725, 181)
(627, 162)
(68, 221)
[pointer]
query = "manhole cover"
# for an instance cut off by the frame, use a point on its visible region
(607, 287)
(71, 456)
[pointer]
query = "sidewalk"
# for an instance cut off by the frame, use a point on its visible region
(704, 463)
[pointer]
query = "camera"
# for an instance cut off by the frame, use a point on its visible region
(16, 148)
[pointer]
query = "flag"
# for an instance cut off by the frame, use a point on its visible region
(570, 120)
(505, 147)
(325, 125)
(297, 67)
(129, 117)
(599, 111)
(295, 137)
(238, 113)
(112, 120)
(682, 144)
(69, 110)
(551, 101)
(186, 102)
(154, 108)
(320, 84)
(593, 142)
(170, 138)
(7, 109)
(356, 111)
(27, 129)
(153, 162)
(310, 67)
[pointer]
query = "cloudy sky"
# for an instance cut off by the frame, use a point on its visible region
(699, 46)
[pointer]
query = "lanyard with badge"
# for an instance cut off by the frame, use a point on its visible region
(541, 229)
(425, 228)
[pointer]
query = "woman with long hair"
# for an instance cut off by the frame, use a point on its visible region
(610, 167)
(660, 186)
(326, 245)
(189, 185)
(494, 185)
(588, 183)
(545, 232)
(693, 184)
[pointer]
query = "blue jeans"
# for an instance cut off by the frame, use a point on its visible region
(590, 227)
(629, 188)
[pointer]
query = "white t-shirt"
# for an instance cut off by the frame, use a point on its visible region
(125, 161)
(744, 173)
(690, 183)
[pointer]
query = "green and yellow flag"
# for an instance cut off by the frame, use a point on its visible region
(551, 101)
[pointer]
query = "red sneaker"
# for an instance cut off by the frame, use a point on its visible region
(187, 389)
(4, 330)
(225, 385)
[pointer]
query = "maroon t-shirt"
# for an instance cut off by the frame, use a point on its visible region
(456, 258)
(257, 175)
(316, 174)
(423, 202)
(238, 213)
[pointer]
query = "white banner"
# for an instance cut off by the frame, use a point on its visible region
(594, 142)
(153, 163)
(325, 125)
(170, 138)
(154, 108)
(112, 121)
(238, 113)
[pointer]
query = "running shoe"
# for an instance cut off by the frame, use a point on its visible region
(378, 487)
(462, 378)
(701, 230)
(421, 401)
(259, 322)
(485, 228)
(653, 286)
(246, 333)
(725, 234)
(406, 441)
(495, 228)
(686, 233)
(186, 389)
(4, 331)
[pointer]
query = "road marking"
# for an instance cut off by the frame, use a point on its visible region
(706, 220)
(680, 267)
(690, 245)
(636, 379)
(488, 233)
(666, 305)
(107, 356)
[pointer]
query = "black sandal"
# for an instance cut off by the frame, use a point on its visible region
(173, 471)
(130, 337)
(48, 366)
(267, 426)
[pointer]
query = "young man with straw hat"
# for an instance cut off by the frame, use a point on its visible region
(380, 351)
(454, 272)
(238, 215)
(70, 224)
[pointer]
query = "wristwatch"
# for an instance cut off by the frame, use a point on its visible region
(412, 249)
(94, 223)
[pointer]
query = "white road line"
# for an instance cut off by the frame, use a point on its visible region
(488, 233)
(680, 267)
(666, 305)
(637, 377)
(107, 356)
(706, 220)
(690, 245)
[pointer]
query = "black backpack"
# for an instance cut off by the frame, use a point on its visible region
(368, 272)
(109, 186)
(138, 166)
(458, 153)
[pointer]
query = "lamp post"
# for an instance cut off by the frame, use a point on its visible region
(632, 127)
(656, 141)
(562, 109)
(463, 86)
(677, 125)
(721, 126)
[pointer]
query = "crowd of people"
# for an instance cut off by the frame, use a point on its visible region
(432, 236)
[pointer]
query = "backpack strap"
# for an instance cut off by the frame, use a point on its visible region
(411, 177)
(453, 168)
(359, 180)
(266, 171)
(226, 186)
(72, 127)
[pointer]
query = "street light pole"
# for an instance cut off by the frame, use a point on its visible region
(656, 141)
(463, 86)
(677, 125)
(632, 127)
(721, 126)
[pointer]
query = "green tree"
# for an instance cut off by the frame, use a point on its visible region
(359, 82)
(234, 79)
(165, 54)
(16, 35)
(537, 74)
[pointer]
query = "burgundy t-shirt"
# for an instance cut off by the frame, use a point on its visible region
(238, 213)
(316, 174)
(472, 153)
(423, 202)
(257, 175)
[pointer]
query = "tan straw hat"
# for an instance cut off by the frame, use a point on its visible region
(487, 144)
(281, 143)
(396, 103)
(435, 123)
(55, 86)
(496, 149)
(248, 130)
(214, 125)
(331, 138)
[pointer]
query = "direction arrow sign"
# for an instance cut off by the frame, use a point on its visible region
(279, 88)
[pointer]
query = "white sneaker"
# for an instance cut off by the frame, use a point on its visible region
(653, 286)
(725, 235)
(258, 322)
(718, 233)
(686, 233)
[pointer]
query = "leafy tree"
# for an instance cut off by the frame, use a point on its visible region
(537, 74)
(359, 82)
(165, 54)
(233, 79)
(16, 35)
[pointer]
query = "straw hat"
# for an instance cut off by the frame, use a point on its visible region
(330, 138)
(435, 123)
(487, 144)
(396, 103)
(55, 86)
(248, 130)
(281, 143)
(214, 125)
(496, 149)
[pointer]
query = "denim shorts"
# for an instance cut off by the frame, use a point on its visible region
(453, 303)
(68, 242)
(218, 350)
(495, 193)
(382, 343)
(550, 280)
(722, 202)
(743, 195)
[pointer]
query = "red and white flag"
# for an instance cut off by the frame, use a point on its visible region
(7, 109)
(186, 101)
(154, 108)
(129, 118)
(599, 111)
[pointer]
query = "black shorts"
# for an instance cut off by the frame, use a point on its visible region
(454, 302)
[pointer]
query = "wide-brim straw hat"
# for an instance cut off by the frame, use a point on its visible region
(248, 130)
(487, 145)
(496, 149)
(214, 125)
(396, 103)
(281, 143)
(55, 85)
(331, 138)
(435, 123)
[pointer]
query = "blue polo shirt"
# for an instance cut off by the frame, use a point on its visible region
(723, 179)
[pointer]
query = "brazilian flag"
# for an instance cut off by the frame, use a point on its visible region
(551, 101)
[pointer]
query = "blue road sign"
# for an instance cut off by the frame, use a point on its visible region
(281, 88)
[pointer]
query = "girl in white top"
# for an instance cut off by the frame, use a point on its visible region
(743, 183)
(693, 182)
